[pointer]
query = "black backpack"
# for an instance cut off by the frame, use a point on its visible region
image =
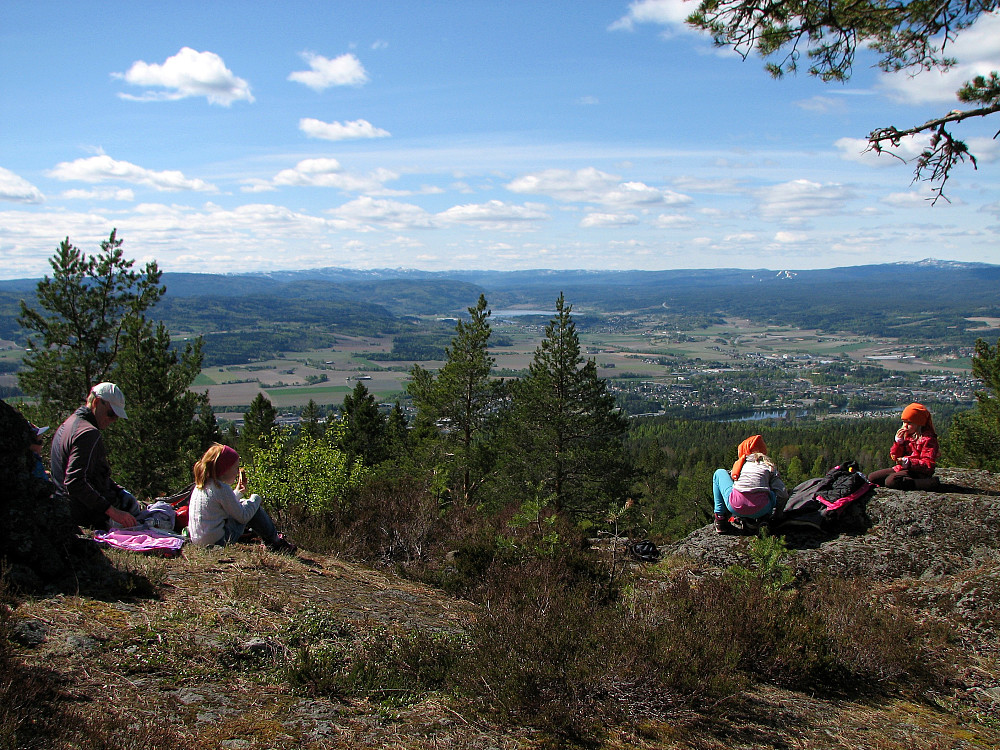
(822, 501)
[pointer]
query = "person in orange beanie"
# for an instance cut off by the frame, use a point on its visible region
(915, 451)
(751, 489)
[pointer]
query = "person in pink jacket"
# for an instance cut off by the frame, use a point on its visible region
(915, 451)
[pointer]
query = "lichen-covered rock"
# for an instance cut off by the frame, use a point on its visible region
(907, 534)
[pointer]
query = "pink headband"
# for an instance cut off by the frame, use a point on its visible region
(225, 461)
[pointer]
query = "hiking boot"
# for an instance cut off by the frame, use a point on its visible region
(723, 524)
(282, 546)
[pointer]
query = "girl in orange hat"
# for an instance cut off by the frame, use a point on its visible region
(915, 451)
(751, 489)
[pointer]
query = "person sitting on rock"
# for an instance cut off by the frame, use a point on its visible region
(80, 468)
(915, 451)
(219, 513)
(751, 490)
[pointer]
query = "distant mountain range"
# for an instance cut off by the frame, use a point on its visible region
(929, 299)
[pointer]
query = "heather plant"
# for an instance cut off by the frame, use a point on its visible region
(383, 665)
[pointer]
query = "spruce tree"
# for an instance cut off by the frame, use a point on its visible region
(207, 429)
(567, 441)
(364, 436)
(309, 421)
(154, 449)
(259, 426)
(462, 402)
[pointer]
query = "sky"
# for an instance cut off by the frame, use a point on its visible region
(227, 137)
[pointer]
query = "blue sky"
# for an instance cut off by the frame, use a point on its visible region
(252, 136)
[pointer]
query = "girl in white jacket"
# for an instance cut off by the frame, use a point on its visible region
(219, 511)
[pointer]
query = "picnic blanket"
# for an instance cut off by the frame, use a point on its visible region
(150, 541)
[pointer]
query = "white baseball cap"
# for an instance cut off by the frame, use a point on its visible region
(113, 395)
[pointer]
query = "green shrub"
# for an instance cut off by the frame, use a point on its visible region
(766, 562)
(311, 474)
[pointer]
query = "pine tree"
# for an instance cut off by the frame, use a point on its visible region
(567, 436)
(89, 299)
(904, 35)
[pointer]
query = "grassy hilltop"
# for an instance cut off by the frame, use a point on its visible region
(882, 639)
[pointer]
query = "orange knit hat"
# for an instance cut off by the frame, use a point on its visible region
(918, 414)
(753, 444)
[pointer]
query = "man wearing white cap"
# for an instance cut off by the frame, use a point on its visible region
(80, 467)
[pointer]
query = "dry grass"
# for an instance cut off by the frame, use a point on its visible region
(241, 647)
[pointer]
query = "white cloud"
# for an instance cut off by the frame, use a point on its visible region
(340, 131)
(670, 13)
(708, 185)
(590, 185)
(910, 199)
(103, 168)
(986, 150)
(672, 221)
(794, 200)
(362, 213)
(597, 219)
(638, 193)
(109, 194)
(855, 149)
(587, 184)
(977, 50)
(494, 214)
(186, 74)
(822, 104)
(790, 238)
(327, 172)
(256, 185)
(17, 189)
(345, 70)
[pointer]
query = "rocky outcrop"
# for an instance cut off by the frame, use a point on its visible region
(937, 552)
(905, 534)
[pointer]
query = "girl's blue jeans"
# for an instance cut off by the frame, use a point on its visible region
(260, 523)
(722, 488)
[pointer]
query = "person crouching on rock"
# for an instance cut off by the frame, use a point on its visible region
(751, 489)
(915, 451)
(219, 511)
